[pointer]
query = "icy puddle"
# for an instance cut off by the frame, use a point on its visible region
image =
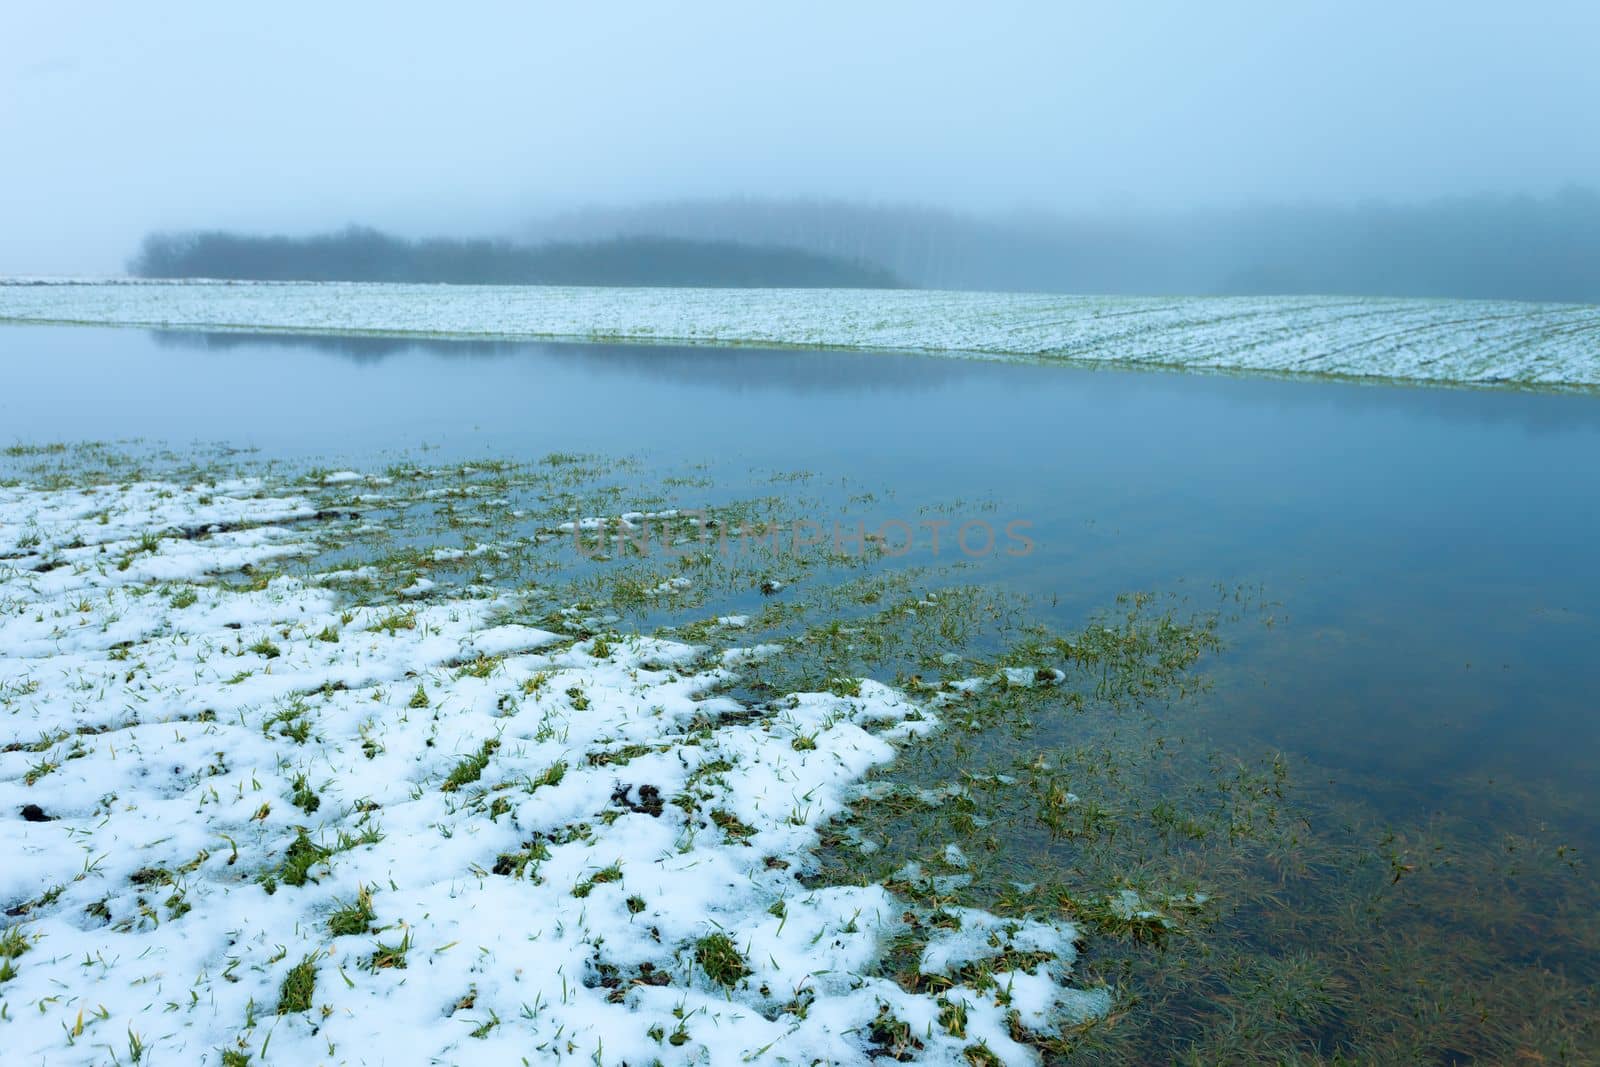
(265, 815)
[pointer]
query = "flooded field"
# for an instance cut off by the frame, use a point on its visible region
(1277, 696)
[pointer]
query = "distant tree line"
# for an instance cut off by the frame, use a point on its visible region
(1511, 247)
(358, 254)
(1519, 248)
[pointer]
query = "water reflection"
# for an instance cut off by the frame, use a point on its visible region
(787, 370)
(1430, 551)
(1432, 547)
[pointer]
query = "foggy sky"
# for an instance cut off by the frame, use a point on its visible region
(116, 119)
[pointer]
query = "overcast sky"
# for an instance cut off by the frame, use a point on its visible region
(116, 119)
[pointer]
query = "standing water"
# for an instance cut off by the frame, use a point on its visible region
(1378, 810)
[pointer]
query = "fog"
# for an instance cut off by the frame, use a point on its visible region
(117, 120)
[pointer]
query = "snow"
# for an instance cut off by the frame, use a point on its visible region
(1425, 340)
(550, 840)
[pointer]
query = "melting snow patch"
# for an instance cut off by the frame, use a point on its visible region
(232, 817)
(981, 936)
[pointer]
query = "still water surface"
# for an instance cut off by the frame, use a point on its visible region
(1431, 552)
(1434, 550)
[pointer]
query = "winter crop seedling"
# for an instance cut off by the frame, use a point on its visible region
(298, 986)
(719, 958)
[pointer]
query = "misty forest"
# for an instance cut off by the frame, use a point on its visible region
(1000, 536)
(1514, 248)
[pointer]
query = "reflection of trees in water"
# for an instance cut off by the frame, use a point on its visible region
(786, 370)
(1135, 392)
(782, 370)
(361, 348)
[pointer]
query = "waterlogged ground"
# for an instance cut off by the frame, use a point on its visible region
(344, 765)
(1275, 746)
(373, 814)
(1481, 341)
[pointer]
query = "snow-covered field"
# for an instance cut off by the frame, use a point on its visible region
(1424, 340)
(255, 819)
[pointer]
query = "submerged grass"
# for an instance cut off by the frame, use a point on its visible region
(1244, 909)
(1243, 916)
